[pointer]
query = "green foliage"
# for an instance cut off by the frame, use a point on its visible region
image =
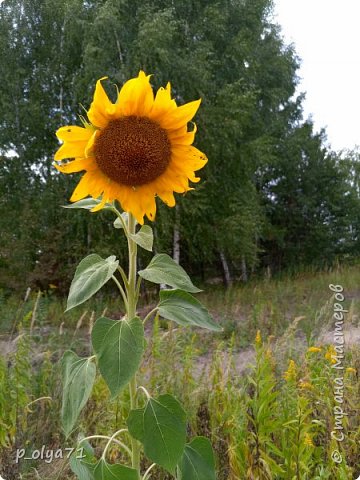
(184, 309)
(144, 238)
(78, 376)
(91, 274)
(198, 461)
(272, 193)
(213, 388)
(105, 471)
(164, 270)
(119, 347)
(161, 427)
(82, 462)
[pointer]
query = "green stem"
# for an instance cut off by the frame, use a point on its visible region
(121, 290)
(131, 312)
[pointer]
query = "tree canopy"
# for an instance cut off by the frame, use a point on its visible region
(272, 195)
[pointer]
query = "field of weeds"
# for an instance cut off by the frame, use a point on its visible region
(273, 394)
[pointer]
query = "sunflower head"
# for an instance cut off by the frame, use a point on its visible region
(132, 150)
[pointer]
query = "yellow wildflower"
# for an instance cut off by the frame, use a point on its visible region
(308, 440)
(305, 385)
(331, 354)
(291, 372)
(314, 349)
(258, 339)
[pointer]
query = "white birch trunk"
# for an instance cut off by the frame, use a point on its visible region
(226, 270)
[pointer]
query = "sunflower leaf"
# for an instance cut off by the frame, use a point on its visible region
(107, 471)
(78, 378)
(184, 309)
(161, 427)
(144, 238)
(118, 223)
(119, 346)
(91, 274)
(82, 461)
(88, 204)
(197, 462)
(164, 270)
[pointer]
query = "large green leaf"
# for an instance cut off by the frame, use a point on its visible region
(107, 471)
(163, 269)
(161, 427)
(183, 308)
(91, 274)
(82, 461)
(197, 462)
(119, 346)
(118, 223)
(144, 237)
(88, 204)
(78, 378)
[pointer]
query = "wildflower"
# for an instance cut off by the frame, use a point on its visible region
(350, 370)
(308, 440)
(134, 149)
(291, 372)
(331, 354)
(314, 349)
(305, 385)
(258, 339)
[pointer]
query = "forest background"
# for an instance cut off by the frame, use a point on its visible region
(273, 197)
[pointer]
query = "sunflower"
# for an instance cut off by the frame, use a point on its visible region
(133, 150)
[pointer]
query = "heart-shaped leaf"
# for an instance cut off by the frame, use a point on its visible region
(184, 309)
(144, 238)
(164, 270)
(78, 378)
(197, 462)
(161, 427)
(91, 274)
(119, 346)
(107, 471)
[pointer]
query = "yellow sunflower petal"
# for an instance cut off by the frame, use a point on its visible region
(136, 96)
(82, 189)
(182, 136)
(181, 116)
(101, 110)
(73, 133)
(188, 156)
(162, 103)
(90, 143)
(76, 165)
(168, 198)
(132, 203)
(71, 150)
(101, 205)
(148, 201)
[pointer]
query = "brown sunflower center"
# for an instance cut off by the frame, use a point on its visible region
(133, 150)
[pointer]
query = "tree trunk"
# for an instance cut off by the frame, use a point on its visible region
(226, 270)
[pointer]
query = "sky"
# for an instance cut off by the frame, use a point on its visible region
(326, 36)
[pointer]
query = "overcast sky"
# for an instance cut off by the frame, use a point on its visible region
(326, 34)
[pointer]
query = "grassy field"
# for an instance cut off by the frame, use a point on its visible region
(262, 390)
